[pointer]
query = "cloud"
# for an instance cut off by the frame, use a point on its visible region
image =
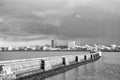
(53, 14)
(78, 16)
(49, 17)
(44, 14)
(55, 22)
(24, 43)
(19, 38)
(59, 18)
(1, 20)
(52, 17)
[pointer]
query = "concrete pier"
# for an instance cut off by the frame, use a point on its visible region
(15, 69)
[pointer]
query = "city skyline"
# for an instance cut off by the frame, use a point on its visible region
(25, 22)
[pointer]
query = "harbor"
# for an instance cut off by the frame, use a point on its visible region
(16, 69)
(59, 40)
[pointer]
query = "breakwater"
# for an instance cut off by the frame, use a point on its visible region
(17, 69)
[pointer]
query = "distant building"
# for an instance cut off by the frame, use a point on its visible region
(88, 47)
(10, 48)
(113, 46)
(52, 44)
(72, 44)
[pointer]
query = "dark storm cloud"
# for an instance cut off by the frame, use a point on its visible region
(63, 19)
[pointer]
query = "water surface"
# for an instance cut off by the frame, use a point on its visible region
(34, 54)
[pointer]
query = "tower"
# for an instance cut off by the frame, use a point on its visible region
(52, 44)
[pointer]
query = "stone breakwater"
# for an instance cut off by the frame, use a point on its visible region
(17, 69)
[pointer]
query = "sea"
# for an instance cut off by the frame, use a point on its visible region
(106, 68)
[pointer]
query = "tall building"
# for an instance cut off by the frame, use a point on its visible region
(52, 44)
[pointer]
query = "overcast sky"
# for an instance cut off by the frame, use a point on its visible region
(84, 20)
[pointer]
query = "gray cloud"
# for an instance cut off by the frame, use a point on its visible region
(1, 20)
(63, 19)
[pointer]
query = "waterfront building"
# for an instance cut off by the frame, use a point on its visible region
(87, 47)
(10, 48)
(15, 48)
(52, 44)
(47, 48)
(72, 44)
(5, 49)
(113, 46)
(1, 48)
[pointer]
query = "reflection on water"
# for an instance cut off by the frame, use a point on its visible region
(107, 68)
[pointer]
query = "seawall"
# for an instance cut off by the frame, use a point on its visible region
(45, 67)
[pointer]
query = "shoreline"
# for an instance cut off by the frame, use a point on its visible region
(55, 51)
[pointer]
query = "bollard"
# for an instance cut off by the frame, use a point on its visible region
(63, 61)
(76, 58)
(1, 68)
(91, 56)
(100, 53)
(42, 64)
(85, 57)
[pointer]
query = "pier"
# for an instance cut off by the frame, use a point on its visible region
(47, 66)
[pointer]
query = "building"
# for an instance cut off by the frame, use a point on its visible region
(113, 46)
(52, 44)
(72, 44)
(10, 48)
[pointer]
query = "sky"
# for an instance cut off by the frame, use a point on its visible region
(28, 22)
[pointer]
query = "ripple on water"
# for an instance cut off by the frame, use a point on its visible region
(110, 71)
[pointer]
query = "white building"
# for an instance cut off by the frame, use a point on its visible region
(113, 46)
(72, 44)
(10, 48)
